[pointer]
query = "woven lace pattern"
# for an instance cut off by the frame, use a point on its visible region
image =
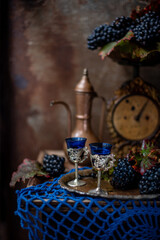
(49, 212)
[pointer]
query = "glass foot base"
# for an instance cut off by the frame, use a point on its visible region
(75, 183)
(98, 191)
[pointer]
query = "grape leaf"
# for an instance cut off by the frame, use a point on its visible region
(106, 50)
(108, 175)
(145, 157)
(129, 50)
(26, 170)
(110, 47)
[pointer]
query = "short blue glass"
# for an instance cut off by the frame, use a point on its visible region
(100, 148)
(77, 153)
(76, 142)
(101, 159)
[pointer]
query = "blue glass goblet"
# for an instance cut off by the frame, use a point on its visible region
(101, 159)
(77, 153)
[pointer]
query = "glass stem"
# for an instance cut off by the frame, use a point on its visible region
(99, 180)
(76, 171)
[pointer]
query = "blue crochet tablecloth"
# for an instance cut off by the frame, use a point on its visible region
(49, 212)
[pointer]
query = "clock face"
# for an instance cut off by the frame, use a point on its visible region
(136, 117)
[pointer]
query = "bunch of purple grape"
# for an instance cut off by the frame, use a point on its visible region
(125, 177)
(104, 34)
(53, 165)
(150, 181)
(146, 31)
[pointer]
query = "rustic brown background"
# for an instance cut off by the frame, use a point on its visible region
(47, 55)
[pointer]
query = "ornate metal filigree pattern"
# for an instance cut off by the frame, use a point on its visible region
(78, 155)
(104, 162)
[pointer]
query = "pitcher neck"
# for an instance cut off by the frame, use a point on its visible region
(83, 123)
(83, 106)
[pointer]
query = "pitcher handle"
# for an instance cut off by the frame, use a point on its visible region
(53, 102)
(101, 124)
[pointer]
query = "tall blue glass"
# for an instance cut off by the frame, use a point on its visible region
(77, 153)
(101, 159)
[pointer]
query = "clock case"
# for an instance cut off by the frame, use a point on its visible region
(137, 86)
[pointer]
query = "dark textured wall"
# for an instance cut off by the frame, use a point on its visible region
(49, 52)
(47, 58)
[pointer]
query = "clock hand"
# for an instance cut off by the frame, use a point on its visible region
(138, 116)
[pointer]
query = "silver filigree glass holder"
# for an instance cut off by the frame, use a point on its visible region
(77, 156)
(101, 163)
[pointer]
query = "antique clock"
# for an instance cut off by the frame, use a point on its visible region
(133, 115)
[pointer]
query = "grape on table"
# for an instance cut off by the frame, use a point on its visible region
(53, 165)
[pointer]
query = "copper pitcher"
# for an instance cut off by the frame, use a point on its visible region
(84, 97)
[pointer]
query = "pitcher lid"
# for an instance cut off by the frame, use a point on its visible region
(84, 84)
